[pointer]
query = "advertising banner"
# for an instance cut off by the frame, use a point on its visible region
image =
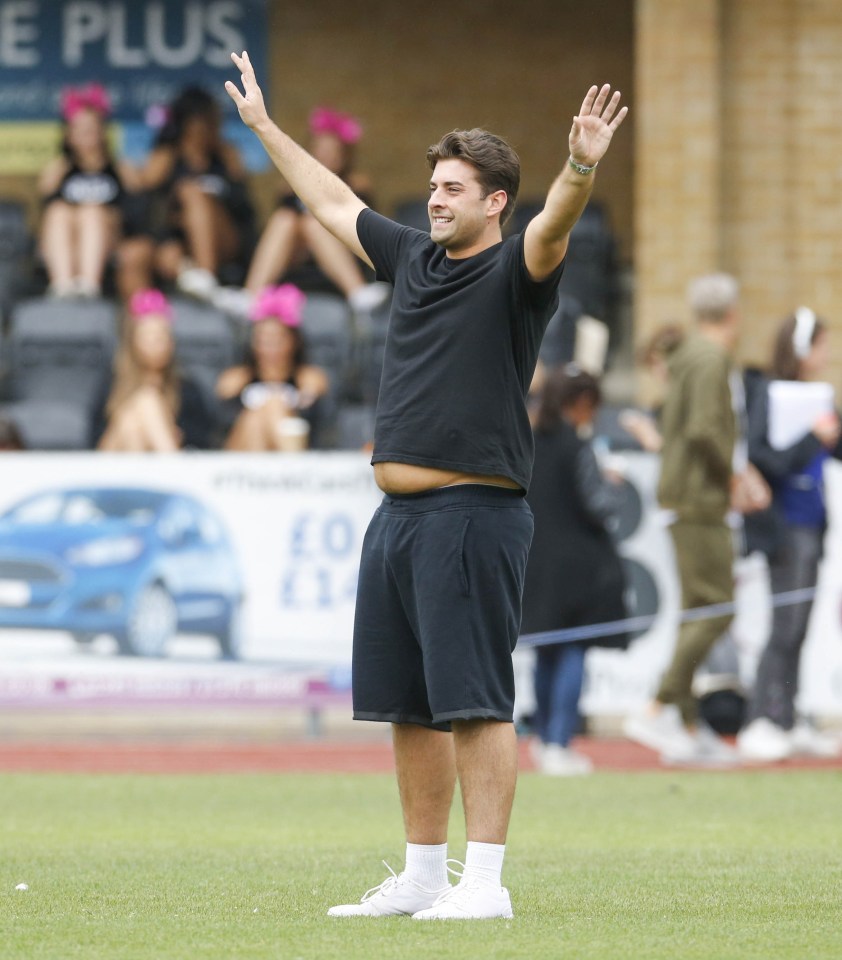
(231, 577)
(143, 53)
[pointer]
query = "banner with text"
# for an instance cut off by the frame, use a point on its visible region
(143, 53)
(228, 577)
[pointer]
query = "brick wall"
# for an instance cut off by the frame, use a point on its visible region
(747, 177)
(413, 73)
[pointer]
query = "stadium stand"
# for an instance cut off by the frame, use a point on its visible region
(16, 246)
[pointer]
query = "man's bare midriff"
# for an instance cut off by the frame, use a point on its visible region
(409, 478)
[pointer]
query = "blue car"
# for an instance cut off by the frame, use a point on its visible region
(141, 565)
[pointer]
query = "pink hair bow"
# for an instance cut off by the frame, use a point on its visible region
(283, 303)
(342, 125)
(148, 303)
(93, 97)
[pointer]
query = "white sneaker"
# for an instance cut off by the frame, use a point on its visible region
(370, 297)
(558, 761)
(764, 742)
(708, 750)
(806, 741)
(197, 282)
(663, 731)
(396, 895)
(470, 899)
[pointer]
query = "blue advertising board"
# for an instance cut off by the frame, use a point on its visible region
(142, 51)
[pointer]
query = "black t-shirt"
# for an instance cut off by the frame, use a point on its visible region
(460, 352)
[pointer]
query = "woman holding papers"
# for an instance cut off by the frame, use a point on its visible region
(793, 429)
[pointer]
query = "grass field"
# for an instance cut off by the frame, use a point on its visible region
(644, 866)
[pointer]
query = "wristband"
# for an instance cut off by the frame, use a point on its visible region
(581, 168)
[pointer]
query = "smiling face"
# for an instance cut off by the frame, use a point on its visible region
(461, 219)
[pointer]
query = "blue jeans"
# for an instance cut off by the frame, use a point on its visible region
(559, 672)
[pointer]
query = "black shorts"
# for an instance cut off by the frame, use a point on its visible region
(438, 606)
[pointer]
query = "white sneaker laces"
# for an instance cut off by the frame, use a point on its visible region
(384, 888)
(459, 891)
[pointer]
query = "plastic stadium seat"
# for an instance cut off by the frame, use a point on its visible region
(16, 245)
(59, 349)
(355, 426)
(413, 213)
(205, 343)
(49, 424)
(371, 343)
(326, 327)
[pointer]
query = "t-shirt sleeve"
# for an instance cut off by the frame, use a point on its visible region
(539, 293)
(384, 241)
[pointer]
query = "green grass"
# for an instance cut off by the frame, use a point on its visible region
(643, 866)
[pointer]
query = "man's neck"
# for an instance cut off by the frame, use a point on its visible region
(489, 239)
(720, 334)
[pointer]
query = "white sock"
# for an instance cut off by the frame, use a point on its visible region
(426, 864)
(484, 861)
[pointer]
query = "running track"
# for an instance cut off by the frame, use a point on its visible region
(312, 756)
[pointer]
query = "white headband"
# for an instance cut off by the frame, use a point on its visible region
(802, 336)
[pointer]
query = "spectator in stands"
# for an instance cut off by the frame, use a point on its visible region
(148, 405)
(208, 213)
(574, 576)
(791, 535)
(293, 236)
(10, 438)
(83, 191)
(699, 426)
(269, 395)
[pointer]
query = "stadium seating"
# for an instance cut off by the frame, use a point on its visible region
(326, 327)
(413, 213)
(355, 426)
(205, 341)
(16, 245)
(368, 351)
(49, 424)
(59, 349)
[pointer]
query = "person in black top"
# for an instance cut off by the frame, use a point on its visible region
(83, 190)
(441, 573)
(208, 214)
(574, 576)
(274, 385)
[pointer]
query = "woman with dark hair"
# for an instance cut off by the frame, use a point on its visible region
(272, 398)
(148, 405)
(791, 534)
(574, 576)
(82, 189)
(208, 212)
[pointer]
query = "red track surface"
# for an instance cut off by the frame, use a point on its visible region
(328, 756)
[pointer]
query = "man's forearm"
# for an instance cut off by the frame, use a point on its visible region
(324, 194)
(567, 198)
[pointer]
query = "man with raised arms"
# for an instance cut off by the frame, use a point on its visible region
(442, 567)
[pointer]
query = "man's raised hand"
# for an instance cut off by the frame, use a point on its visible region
(249, 103)
(595, 124)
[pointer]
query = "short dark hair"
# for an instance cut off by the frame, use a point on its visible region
(563, 388)
(496, 163)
